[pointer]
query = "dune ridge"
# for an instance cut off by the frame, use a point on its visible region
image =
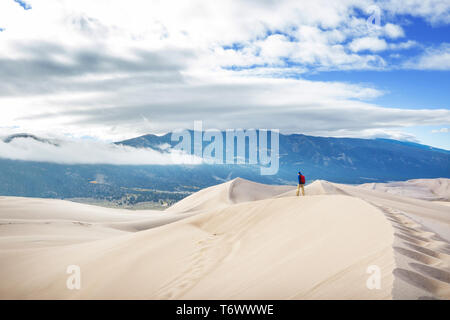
(425, 189)
(231, 192)
(236, 240)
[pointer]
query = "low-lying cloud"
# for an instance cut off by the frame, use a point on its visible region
(89, 152)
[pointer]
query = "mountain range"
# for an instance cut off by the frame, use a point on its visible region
(344, 160)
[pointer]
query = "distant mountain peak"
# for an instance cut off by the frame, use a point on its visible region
(12, 137)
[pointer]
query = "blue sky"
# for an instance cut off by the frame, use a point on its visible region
(405, 89)
(355, 68)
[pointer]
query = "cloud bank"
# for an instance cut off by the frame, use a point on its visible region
(89, 152)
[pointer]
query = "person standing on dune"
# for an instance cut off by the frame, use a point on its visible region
(301, 183)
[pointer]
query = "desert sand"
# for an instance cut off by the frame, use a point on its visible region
(425, 189)
(236, 240)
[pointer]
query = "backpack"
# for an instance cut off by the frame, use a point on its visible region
(302, 179)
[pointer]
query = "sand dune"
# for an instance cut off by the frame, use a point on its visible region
(220, 196)
(426, 189)
(38, 221)
(237, 240)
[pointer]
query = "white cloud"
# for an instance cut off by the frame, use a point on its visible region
(89, 152)
(403, 45)
(380, 133)
(432, 59)
(441, 130)
(393, 31)
(433, 11)
(224, 101)
(368, 43)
